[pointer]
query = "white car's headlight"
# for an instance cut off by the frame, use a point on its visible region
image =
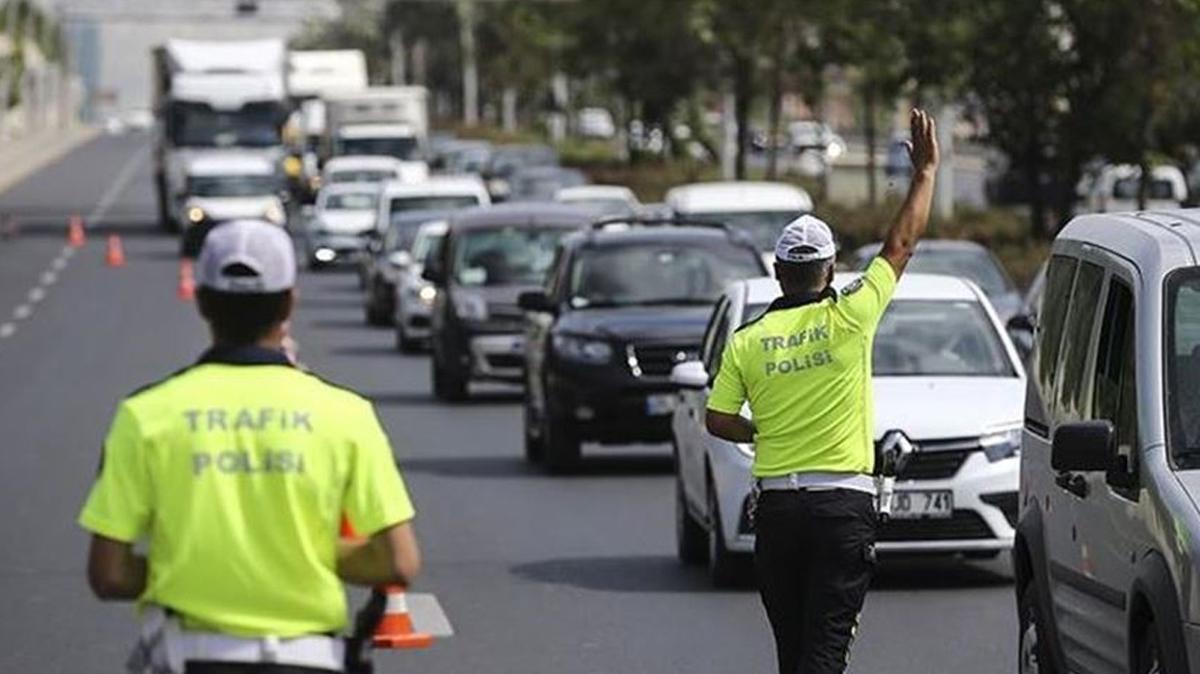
(1002, 444)
(583, 350)
(470, 307)
(426, 294)
(274, 215)
(195, 215)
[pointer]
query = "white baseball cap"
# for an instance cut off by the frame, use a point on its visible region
(805, 239)
(247, 256)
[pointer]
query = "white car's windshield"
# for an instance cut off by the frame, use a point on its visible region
(233, 186)
(763, 227)
(662, 273)
(350, 201)
(505, 256)
(975, 265)
(449, 202)
(361, 176)
(938, 338)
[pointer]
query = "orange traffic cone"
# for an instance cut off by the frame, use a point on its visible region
(114, 256)
(75, 234)
(395, 629)
(186, 291)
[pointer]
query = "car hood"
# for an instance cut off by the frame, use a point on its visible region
(347, 222)
(933, 408)
(667, 323)
(227, 208)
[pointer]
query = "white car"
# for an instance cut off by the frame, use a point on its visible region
(438, 193)
(760, 209)
(340, 223)
(231, 185)
(415, 295)
(374, 169)
(605, 200)
(1116, 189)
(946, 379)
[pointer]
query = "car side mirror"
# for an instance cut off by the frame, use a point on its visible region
(535, 301)
(1021, 323)
(1084, 446)
(689, 374)
(400, 259)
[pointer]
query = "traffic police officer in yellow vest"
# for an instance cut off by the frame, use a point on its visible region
(804, 367)
(236, 471)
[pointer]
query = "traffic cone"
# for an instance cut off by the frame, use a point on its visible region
(186, 290)
(114, 255)
(75, 234)
(395, 628)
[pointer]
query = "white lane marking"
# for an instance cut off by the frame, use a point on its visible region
(22, 312)
(118, 186)
(59, 264)
(37, 295)
(48, 278)
(7, 329)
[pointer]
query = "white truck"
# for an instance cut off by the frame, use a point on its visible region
(313, 76)
(392, 121)
(210, 96)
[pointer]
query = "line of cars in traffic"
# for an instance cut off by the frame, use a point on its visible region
(612, 315)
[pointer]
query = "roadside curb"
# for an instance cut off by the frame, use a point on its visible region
(22, 157)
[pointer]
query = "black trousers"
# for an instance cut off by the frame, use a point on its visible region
(249, 668)
(814, 556)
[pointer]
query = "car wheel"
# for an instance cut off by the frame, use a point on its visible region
(691, 543)
(561, 443)
(446, 385)
(534, 440)
(1033, 654)
(1149, 653)
(724, 567)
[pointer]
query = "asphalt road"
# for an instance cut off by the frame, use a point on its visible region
(539, 574)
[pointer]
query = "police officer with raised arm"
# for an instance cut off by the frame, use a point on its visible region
(236, 472)
(804, 367)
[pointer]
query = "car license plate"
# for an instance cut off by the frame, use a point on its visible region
(913, 505)
(658, 404)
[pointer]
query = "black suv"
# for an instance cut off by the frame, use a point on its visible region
(623, 305)
(488, 257)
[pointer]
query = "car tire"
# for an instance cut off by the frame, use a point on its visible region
(1149, 652)
(725, 568)
(1033, 650)
(535, 446)
(691, 543)
(560, 443)
(447, 386)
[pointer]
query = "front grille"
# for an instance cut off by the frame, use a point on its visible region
(657, 360)
(930, 465)
(961, 525)
(1006, 501)
(505, 360)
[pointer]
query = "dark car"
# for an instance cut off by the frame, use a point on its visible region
(386, 259)
(506, 160)
(541, 183)
(619, 310)
(490, 256)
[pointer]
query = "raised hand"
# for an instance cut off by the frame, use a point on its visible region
(923, 146)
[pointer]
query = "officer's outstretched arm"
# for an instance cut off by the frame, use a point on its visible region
(390, 556)
(910, 222)
(115, 571)
(731, 427)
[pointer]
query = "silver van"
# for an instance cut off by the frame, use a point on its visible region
(1108, 537)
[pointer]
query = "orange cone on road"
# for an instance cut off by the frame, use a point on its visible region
(395, 629)
(75, 234)
(186, 290)
(114, 255)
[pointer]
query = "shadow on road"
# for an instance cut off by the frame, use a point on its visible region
(511, 466)
(934, 574)
(645, 573)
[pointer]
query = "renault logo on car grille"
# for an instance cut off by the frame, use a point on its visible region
(898, 441)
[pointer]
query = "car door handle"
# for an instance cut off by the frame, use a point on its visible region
(1074, 483)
